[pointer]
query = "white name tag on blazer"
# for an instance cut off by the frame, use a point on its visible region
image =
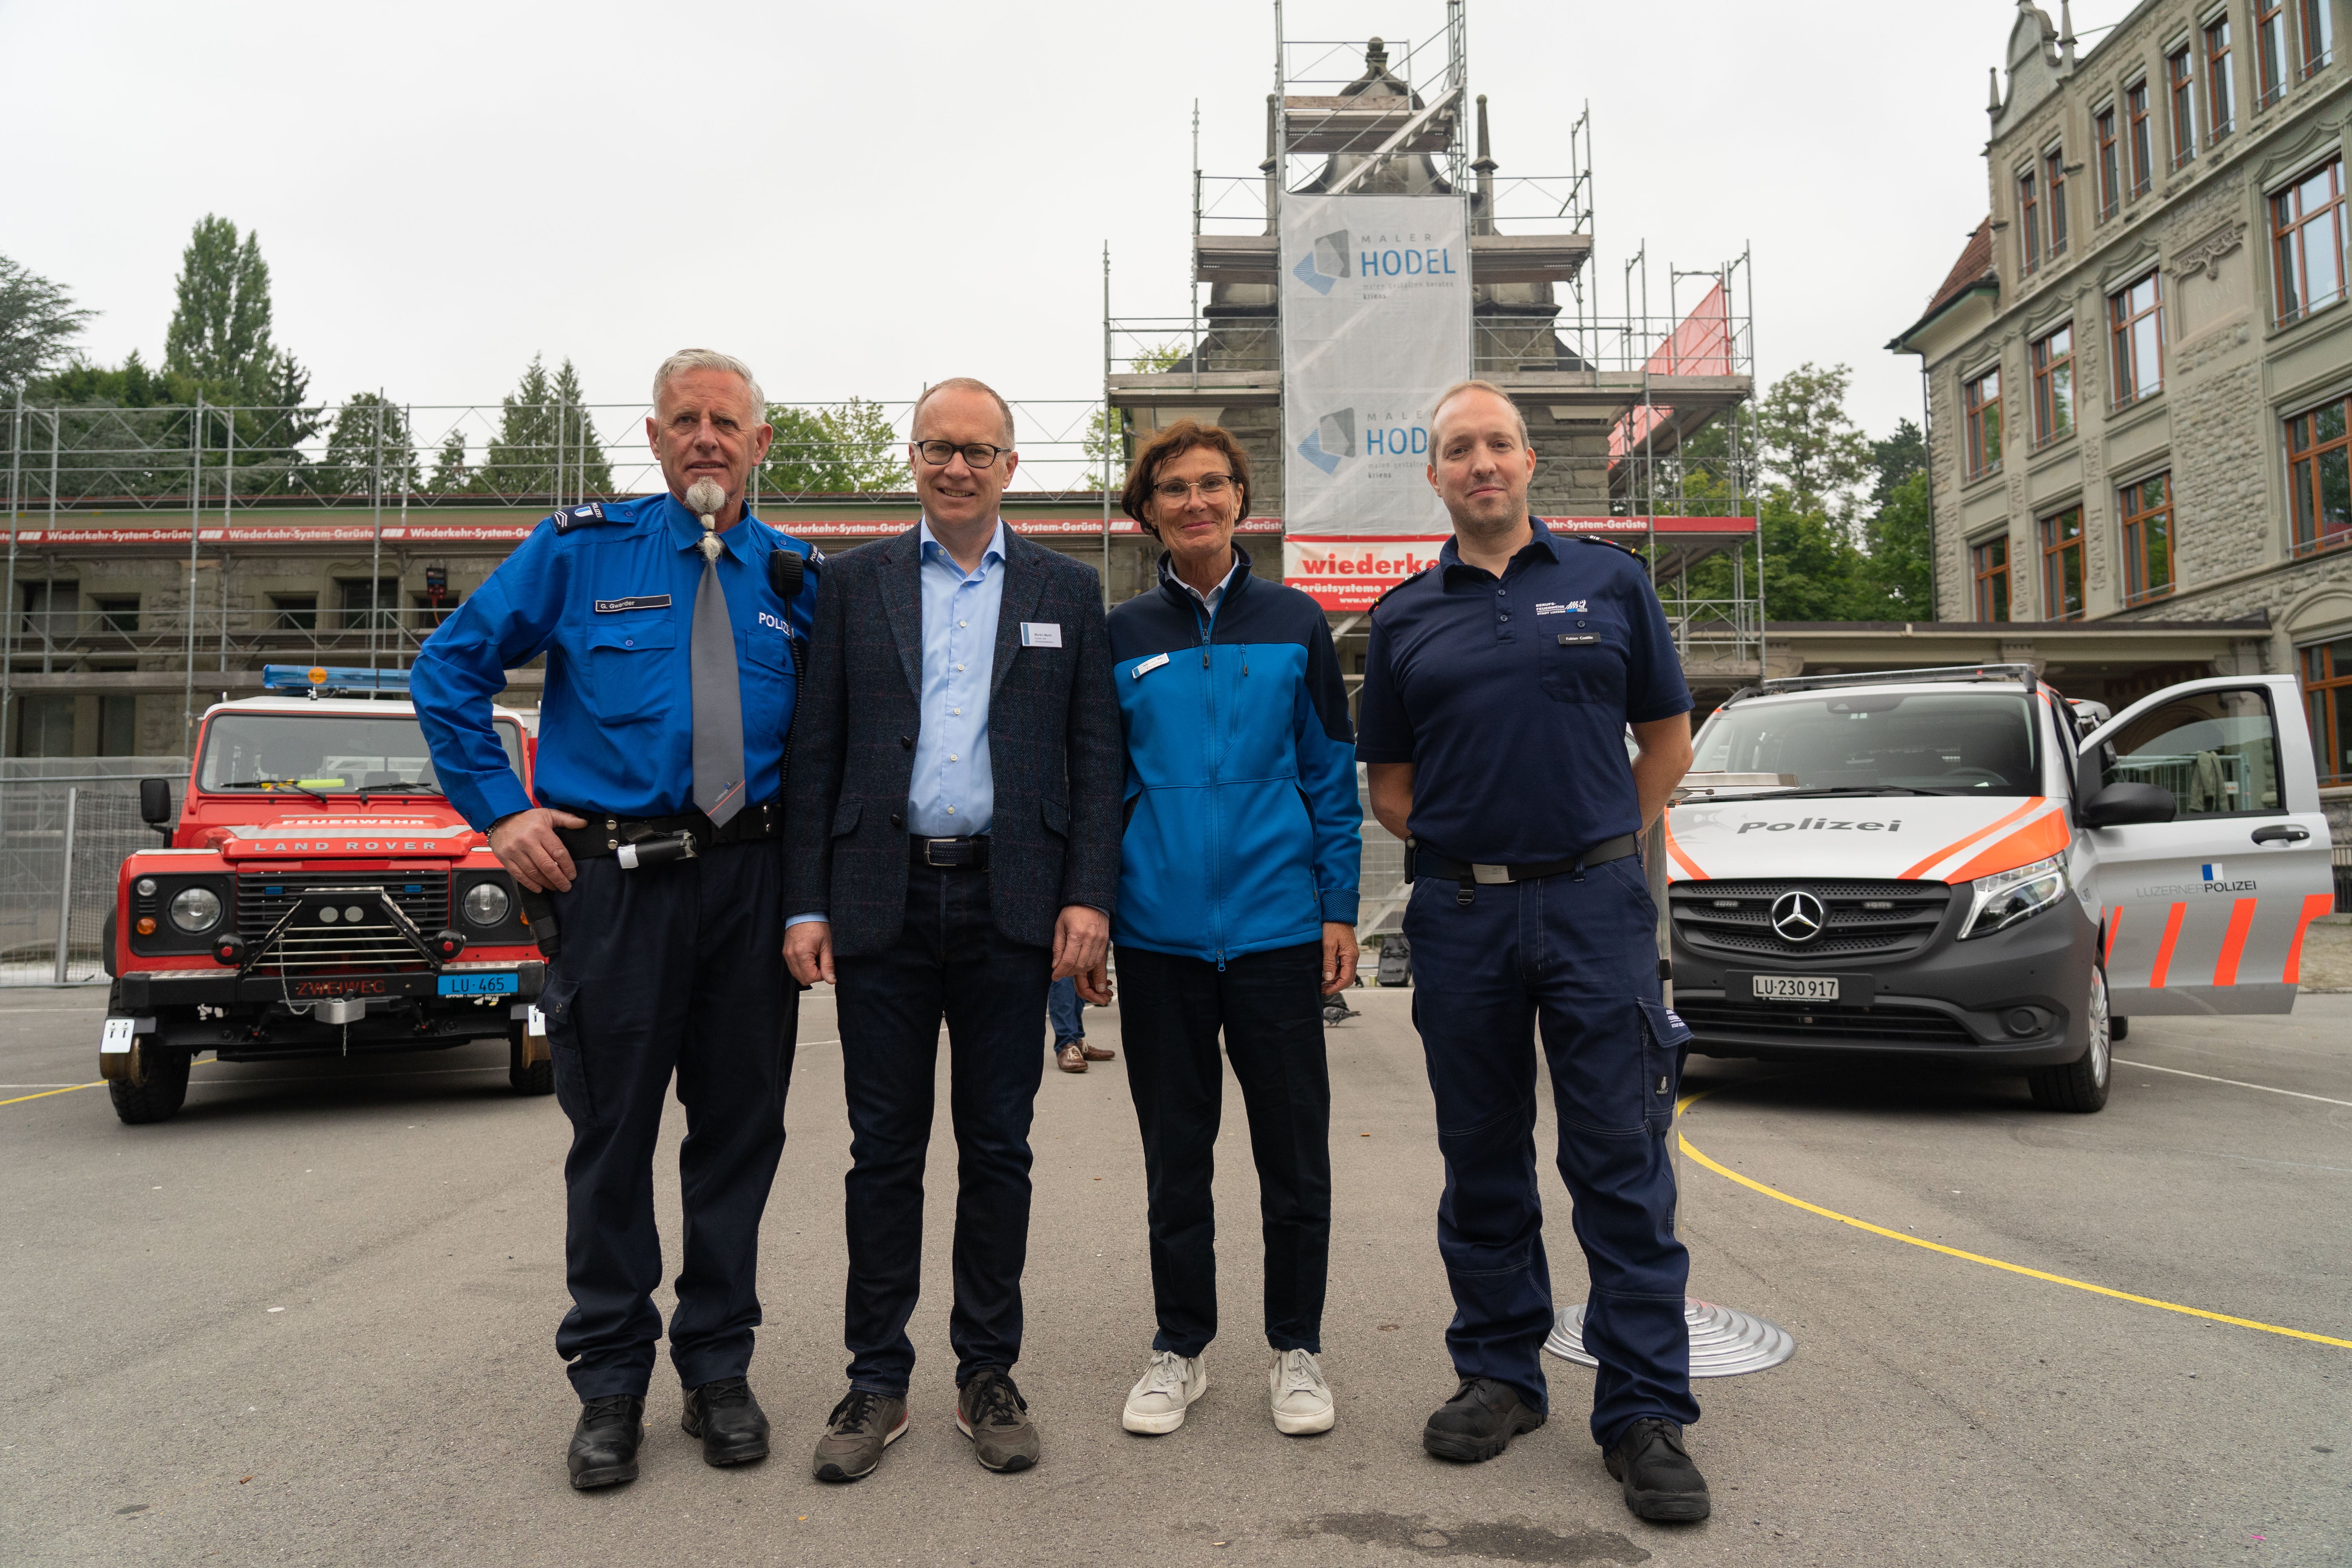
(1147, 667)
(1041, 634)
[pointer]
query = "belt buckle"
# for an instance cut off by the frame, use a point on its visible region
(1489, 873)
(930, 853)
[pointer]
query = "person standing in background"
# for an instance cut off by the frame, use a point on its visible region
(1063, 1015)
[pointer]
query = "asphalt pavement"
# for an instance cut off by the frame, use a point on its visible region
(311, 1320)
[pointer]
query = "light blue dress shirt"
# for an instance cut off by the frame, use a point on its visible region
(953, 795)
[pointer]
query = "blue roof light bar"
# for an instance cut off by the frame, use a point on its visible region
(321, 679)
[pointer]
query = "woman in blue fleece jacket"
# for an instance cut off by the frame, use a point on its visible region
(1236, 913)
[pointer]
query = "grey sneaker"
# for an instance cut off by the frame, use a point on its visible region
(1302, 1400)
(1156, 1404)
(991, 1413)
(860, 1428)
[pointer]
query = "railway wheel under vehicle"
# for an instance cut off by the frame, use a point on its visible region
(156, 1088)
(2081, 1085)
(536, 1077)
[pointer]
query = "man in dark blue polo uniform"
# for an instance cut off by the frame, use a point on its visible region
(671, 681)
(1497, 689)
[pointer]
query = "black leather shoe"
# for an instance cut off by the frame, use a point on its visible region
(732, 1427)
(605, 1443)
(1478, 1422)
(1660, 1481)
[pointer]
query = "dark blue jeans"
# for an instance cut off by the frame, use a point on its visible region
(1063, 1010)
(950, 961)
(1269, 1007)
(670, 970)
(1577, 954)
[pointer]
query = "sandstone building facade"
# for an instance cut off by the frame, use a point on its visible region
(2139, 372)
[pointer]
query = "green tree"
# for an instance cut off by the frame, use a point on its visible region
(546, 442)
(219, 333)
(369, 438)
(1809, 560)
(1898, 582)
(451, 473)
(37, 320)
(1807, 441)
(1895, 459)
(844, 448)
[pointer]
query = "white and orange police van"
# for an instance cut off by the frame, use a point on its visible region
(317, 895)
(1948, 864)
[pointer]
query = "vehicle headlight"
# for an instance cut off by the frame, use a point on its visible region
(487, 904)
(2006, 898)
(196, 909)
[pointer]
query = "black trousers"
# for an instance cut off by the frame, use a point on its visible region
(670, 970)
(950, 961)
(1269, 1007)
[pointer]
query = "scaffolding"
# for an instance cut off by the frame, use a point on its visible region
(390, 484)
(1633, 412)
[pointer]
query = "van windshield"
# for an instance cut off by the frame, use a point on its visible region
(1952, 742)
(318, 752)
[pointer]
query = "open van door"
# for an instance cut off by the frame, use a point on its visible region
(2207, 913)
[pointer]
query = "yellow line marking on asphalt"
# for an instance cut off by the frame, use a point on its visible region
(2121, 1062)
(1695, 1153)
(46, 1092)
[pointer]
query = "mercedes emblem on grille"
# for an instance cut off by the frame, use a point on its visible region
(1798, 916)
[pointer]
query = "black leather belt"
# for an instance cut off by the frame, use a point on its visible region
(605, 834)
(1420, 862)
(949, 853)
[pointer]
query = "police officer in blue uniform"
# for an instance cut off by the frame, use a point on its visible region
(670, 625)
(1499, 685)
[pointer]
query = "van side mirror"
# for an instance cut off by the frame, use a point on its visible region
(2120, 804)
(155, 804)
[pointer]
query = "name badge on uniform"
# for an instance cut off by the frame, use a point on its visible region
(1041, 634)
(642, 602)
(1147, 667)
(1578, 639)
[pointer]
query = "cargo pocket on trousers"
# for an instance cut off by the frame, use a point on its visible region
(560, 1005)
(1663, 1036)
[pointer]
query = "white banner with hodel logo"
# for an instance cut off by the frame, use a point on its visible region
(1375, 324)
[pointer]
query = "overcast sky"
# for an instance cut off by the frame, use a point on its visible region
(860, 198)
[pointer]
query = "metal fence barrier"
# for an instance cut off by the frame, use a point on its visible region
(66, 824)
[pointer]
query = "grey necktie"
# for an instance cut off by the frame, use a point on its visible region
(717, 695)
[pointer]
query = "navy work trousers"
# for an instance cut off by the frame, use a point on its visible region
(950, 961)
(1579, 955)
(669, 970)
(1269, 1007)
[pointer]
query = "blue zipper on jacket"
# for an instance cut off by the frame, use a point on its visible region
(1206, 620)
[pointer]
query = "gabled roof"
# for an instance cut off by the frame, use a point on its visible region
(1972, 273)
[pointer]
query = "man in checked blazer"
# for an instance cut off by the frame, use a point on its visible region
(952, 847)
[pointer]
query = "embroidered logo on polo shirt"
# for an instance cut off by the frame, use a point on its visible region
(1574, 607)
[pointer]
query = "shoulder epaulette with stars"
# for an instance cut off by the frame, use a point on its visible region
(589, 516)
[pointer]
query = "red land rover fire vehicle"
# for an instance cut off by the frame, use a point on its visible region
(319, 896)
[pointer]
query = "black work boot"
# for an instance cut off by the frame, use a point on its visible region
(1478, 1422)
(1660, 1480)
(991, 1413)
(732, 1427)
(605, 1443)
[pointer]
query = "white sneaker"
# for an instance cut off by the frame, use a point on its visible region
(1302, 1400)
(1157, 1404)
